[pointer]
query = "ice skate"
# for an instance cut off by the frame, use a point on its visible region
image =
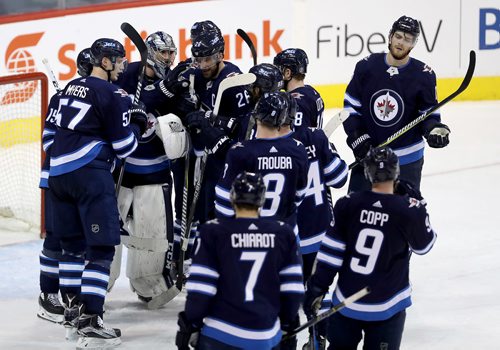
(51, 308)
(93, 334)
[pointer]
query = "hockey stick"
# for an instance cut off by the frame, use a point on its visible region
(51, 74)
(423, 116)
(136, 38)
(165, 297)
(335, 122)
(250, 44)
(347, 301)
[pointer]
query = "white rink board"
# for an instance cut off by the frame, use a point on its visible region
(450, 29)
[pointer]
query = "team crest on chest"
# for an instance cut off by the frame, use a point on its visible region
(387, 107)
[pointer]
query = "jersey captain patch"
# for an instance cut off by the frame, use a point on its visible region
(387, 107)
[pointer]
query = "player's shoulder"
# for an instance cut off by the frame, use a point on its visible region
(229, 70)
(211, 225)
(369, 61)
(239, 147)
(423, 70)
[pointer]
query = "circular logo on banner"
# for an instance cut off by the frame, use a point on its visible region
(387, 107)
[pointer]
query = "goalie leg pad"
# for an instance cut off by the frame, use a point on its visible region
(125, 197)
(150, 224)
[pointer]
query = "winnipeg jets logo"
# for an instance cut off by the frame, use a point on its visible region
(427, 69)
(297, 95)
(387, 107)
(150, 130)
(392, 71)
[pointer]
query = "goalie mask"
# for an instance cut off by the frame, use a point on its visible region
(173, 135)
(161, 52)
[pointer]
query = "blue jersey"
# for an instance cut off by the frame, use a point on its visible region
(383, 99)
(246, 277)
(326, 169)
(310, 107)
(234, 101)
(48, 133)
(148, 164)
(92, 124)
(283, 164)
(370, 245)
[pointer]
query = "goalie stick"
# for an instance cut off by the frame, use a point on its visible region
(347, 301)
(172, 292)
(465, 83)
(51, 74)
(136, 38)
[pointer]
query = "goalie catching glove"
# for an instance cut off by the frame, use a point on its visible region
(173, 135)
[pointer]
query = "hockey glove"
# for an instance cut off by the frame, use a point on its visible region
(178, 72)
(312, 300)
(287, 327)
(216, 139)
(139, 117)
(198, 120)
(185, 104)
(230, 125)
(406, 188)
(173, 87)
(187, 333)
(360, 144)
(437, 136)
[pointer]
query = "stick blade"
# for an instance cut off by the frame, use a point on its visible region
(249, 42)
(232, 81)
(163, 298)
(335, 122)
(136, 38)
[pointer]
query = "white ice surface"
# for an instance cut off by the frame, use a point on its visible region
(456, 287)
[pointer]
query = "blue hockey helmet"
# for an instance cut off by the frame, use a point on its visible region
(203, 27)
(269, 77)
(381, 164)
(207, 44)
(161, 52)
(248, 188)
(294, 59)
(84, 62)
(272, 109)
(407, 25)
(106, 47)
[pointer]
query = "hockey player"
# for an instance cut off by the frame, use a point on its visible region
(282, 161)
(293, 64)
(268, 79)
(387, 92)
(314, 215)
(50, 307)
(370, 244)
(95, 123)
(246, 280)
(214, 133)
(147, 183)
